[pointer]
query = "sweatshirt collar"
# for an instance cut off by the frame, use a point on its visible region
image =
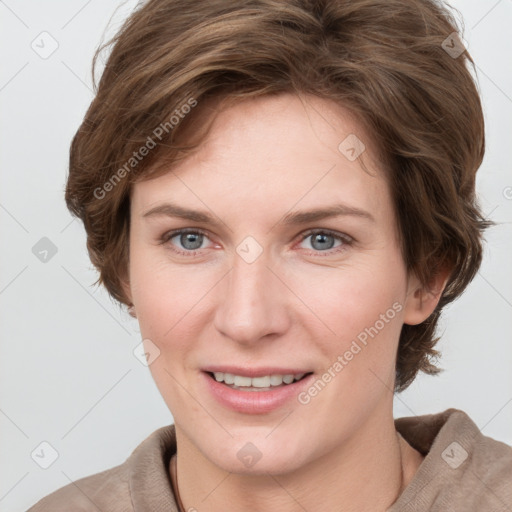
(443, 436)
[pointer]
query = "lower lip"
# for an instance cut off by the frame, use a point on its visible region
(255, 402)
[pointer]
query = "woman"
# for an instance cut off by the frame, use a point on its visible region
(283, 194)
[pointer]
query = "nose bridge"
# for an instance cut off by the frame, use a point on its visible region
(253, 301)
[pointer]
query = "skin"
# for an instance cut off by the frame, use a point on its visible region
(299, 304)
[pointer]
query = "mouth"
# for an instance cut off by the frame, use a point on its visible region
(255, 390)
(260, 383)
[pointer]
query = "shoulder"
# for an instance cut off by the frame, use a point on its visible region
(488, 475)
(463, 469)
(117, 488)
(107, 490)
(469, 447)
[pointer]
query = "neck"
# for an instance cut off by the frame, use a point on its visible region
(369, 472)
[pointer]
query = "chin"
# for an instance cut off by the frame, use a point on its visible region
(255, 453)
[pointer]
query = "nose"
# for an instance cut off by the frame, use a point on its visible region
(254, 302)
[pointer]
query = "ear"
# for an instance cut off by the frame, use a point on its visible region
(422, 299)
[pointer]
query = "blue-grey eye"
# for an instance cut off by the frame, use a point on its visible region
(322, 241)
(190, 241)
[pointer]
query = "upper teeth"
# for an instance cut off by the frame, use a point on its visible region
(256, 382)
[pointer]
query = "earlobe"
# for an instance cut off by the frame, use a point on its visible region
(422, 300)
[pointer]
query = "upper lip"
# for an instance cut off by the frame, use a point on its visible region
(261, 371)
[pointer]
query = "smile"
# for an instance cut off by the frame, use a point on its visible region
(262, 392)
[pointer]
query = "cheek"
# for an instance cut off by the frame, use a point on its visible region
(167, 297)
(346, 300)
(168, 301)
(357, 316)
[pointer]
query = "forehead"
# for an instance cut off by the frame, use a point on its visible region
(281, 148)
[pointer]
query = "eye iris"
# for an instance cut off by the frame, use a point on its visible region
(194, 239)
(321, 238)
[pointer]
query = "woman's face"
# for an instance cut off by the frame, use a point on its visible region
(262, 284)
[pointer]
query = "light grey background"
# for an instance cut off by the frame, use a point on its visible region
(68, 374)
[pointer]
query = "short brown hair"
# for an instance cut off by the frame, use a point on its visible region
(387, 61)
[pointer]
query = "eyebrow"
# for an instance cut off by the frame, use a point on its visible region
(292, 218)
(336, 210)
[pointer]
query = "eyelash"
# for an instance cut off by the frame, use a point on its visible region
(346, 239)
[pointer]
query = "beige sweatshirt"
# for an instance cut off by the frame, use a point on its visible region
(463, 471)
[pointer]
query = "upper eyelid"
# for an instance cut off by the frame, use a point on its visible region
(331, 232)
